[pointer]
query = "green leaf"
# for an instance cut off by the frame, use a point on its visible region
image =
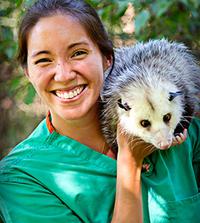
(121, 9)
(10, 52)
(30, 95)
(93, 3)
(6, 34)
(141, 20)
(196, 3)
(15, 83)
(160, 7)
(185, 2)
(27, 3)
(18, 3)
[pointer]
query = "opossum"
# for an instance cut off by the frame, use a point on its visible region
(153, 91)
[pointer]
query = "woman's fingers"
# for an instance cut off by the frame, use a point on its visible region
(134, 145)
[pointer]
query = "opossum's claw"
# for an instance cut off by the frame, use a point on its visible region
(179, 138)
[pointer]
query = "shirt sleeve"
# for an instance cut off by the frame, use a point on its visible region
(32, 203)
(194, 134)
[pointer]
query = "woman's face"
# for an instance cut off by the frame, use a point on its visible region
(65, 67)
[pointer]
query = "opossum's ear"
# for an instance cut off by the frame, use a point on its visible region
(172, 95)
(125, 106)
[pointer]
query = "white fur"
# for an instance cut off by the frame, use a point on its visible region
(159, 134)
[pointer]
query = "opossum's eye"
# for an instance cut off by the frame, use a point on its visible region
(167, 117)
(145, 123)
(125, 106)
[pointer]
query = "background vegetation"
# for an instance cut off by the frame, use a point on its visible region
(126, 22)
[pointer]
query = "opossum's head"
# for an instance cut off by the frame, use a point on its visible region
(151, 112)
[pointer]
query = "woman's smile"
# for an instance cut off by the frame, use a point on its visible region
(69, 95)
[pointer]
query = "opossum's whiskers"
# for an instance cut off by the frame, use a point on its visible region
(188, 116)
(181, 125)
(192, 117)
(123, 132)
(150, 147)
(185, 120)
(135, 140)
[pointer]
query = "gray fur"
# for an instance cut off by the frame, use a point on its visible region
(140, 65)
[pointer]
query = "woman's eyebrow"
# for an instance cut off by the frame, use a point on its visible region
(77, 44)
(40, 52)
(69, 47)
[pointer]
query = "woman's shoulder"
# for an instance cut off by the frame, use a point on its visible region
(194, 135)
(195, 124)
(194, 129)
(25, 150)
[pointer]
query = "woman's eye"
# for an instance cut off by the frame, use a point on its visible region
(43, 60)
(79, 54)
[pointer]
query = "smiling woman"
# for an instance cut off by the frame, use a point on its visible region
(64, 171)
(66, 73)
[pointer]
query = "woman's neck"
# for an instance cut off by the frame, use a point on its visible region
(85, 130)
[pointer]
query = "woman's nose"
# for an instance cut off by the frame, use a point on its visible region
(64, 72)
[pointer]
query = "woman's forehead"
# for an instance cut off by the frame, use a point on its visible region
(60, 23)
(63, 29)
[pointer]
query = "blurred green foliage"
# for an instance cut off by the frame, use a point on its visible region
(176, 20)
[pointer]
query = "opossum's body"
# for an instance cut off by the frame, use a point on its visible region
(153, 90)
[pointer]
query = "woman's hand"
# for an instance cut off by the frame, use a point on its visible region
(133, 147)
(131, 152)
(128, 201)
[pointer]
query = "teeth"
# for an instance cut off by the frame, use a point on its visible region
(78, 90)
(70, 94)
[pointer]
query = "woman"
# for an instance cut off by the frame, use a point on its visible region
(59, 173)
(64, 171)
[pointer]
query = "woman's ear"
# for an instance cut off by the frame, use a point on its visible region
(25, 69)
(107, 62)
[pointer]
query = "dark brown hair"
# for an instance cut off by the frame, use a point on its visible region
(78, 9)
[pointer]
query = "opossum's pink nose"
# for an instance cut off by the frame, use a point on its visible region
(165, 145)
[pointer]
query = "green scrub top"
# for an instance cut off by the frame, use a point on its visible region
(51, 178)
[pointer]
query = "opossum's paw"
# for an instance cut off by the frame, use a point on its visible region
(179, 138)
